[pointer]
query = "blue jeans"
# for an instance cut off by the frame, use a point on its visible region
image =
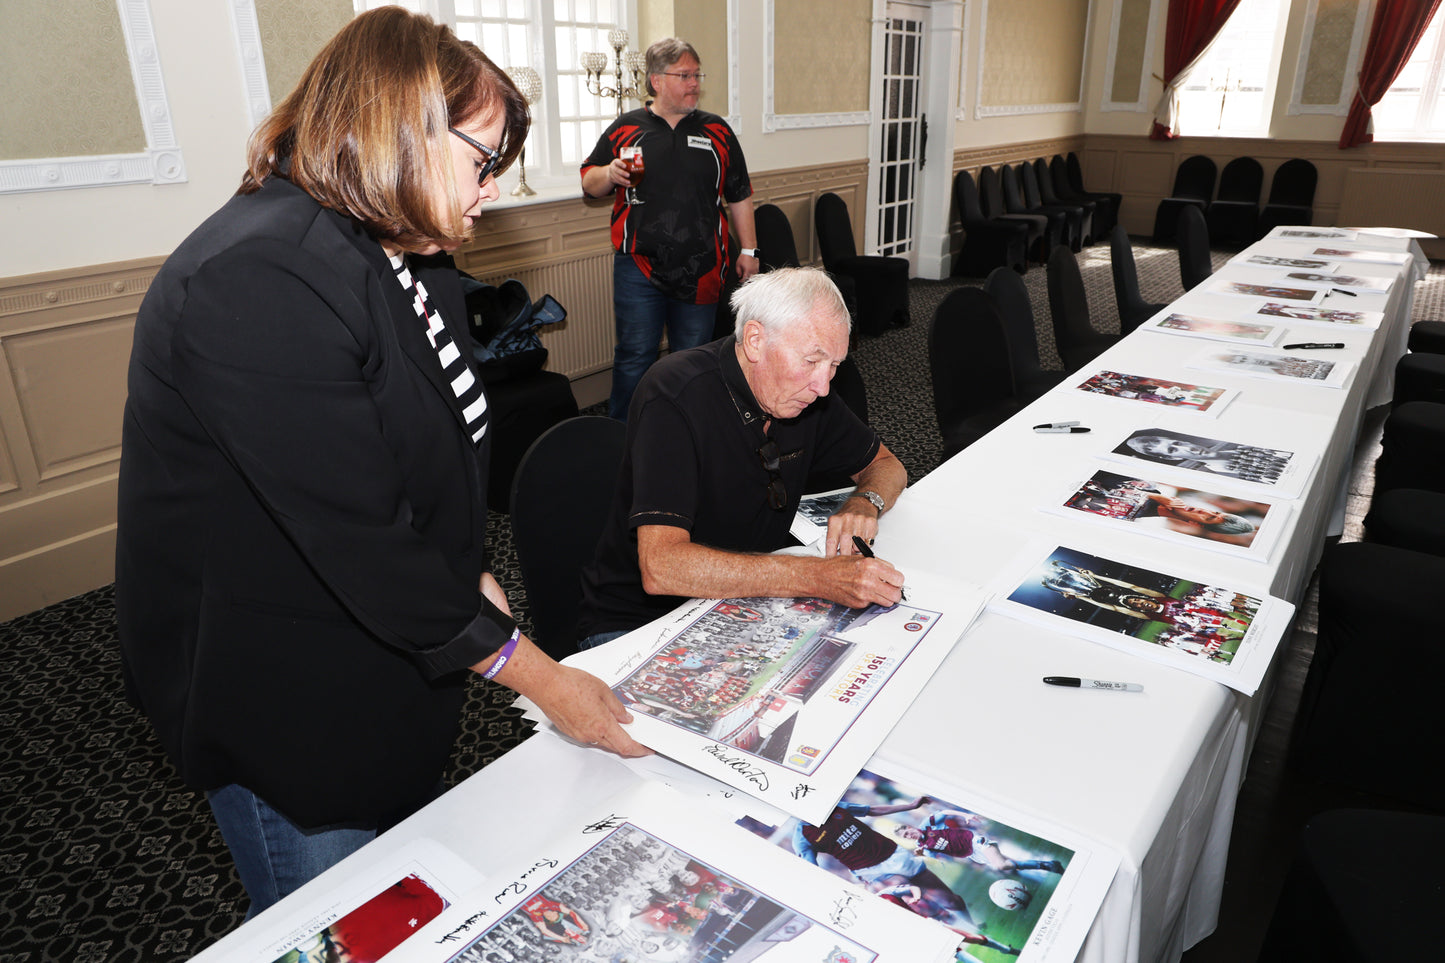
(273, 855)
(642, 312)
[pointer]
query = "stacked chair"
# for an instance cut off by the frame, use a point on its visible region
(1075, 337)
(1233, 215)
(968, 359)
(1073, 214)
(1291, 196)
(880, 283)
(991, 200)
(1104, 211)
(1133, 309)
(1044, 175)
(1193, 187)
(1195, 265)
(1056, 219)
(986, 244)
(1076, 183)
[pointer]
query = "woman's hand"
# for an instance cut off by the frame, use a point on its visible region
(578, 703)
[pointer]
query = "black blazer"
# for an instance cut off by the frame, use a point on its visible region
(302, 516)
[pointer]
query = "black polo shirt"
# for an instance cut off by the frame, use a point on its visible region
(693, 433)
(678, 235)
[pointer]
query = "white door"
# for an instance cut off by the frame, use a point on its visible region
(899, 128)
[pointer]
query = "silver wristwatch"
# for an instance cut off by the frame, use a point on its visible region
(873, 497)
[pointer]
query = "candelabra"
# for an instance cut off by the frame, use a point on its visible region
(596, 63)
(529, 85)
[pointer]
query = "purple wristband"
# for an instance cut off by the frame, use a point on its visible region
(504, 656)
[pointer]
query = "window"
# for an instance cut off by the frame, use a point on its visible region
(549, 36)
(1231, 89)
(1414, 106)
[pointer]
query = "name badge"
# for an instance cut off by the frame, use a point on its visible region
(693, 140)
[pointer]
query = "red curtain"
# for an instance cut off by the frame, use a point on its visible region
(1396, 30)
(1191, 25)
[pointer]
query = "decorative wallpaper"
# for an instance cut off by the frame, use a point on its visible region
(1125, 86)
(821, 51)
(1329, 52)
(1033, 52)
(58, 102)
(704, 24)
(292, 31)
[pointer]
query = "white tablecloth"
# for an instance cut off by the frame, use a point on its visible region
(1152, 775)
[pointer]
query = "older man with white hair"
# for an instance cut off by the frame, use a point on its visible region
(720, 444)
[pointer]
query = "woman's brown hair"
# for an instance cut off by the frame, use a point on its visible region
(365, 130)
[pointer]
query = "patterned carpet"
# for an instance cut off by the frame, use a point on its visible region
(106, 856)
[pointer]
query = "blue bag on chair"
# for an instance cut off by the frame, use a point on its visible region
(504, 322)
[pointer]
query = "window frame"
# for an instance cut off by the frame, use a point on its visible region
(1431, 94)
(1271, 80)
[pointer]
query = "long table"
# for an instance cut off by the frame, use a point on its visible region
(1153, 775)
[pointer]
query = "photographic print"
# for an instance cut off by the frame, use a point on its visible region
(1334, 233)
(1213, 329)
(1271, 260)
(644, 878)
(1190, 515)
(1274, 292)
(1159, 391)
(1346, 281)
(783, 699)
(1217, 632)
(1370, 257)
(1320, 315)
(1300, 368)
(1272, 469)
(810, 525)
(998, 886)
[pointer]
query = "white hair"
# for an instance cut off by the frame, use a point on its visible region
(779, 298)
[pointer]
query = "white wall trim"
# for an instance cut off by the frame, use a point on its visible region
(773, 121)
(252, 58)
(160, 163)
(960, 112)
(1142, 105)
(1008, 110)
(735, 96)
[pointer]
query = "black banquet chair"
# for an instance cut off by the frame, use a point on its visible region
(1015, 201)
(1033, 197)
(560, 499)
(1193, 187)
(1195, 264)
(880, 283)
(1075, 337)
(1103, 211)
(968, 359)
(1075, 172)
(1133, 309)
(776, 246)
(1044, 177)
(986, 244)
(1011, 299)
(1233, 215)
(1370, 703)
(1412, 448)
(1291, 196)
(990, 192)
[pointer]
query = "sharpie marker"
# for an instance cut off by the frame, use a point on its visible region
(1060, 430)
(866, 551)
(1342, 291)
(1313, 344)
(1056, 424)
(1071, 682)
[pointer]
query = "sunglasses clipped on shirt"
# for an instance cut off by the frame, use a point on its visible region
(768, 455)
(493, 157)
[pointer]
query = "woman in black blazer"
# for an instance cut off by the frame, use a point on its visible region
(301, 572)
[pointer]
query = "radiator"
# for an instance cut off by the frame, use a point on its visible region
(584, 343)
(1392, 197)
